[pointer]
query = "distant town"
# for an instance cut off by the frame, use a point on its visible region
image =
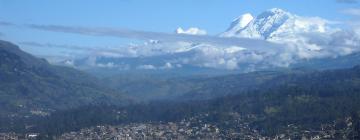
(193, 128)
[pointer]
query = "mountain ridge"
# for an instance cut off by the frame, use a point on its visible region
(29, 83)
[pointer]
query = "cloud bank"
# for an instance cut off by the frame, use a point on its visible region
(65, 46)
(254, 44)
(297, 38)
(187, 49)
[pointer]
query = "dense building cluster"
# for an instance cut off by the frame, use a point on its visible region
(143, 131)
(195, 128)
(191, 128)
(199, 128)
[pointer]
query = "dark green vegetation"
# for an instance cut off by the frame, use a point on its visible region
(150, 87)
(29, 84)
(304, 99)
(201, 87)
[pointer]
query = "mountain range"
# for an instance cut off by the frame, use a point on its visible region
(275, 24)
(294, 103)
(300, 39)
(39, 97)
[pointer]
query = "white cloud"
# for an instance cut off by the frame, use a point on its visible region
(191, 31)
(312, 38)
(167, 66)
(159, 56)
(234, 49)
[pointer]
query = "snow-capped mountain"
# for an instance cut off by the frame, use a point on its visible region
(237, 25)
(275, 25)
(298, 38)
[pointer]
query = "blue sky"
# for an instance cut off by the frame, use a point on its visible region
(144, 15)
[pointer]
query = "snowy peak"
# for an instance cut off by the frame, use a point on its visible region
(266, 23)
(276, 24)
(273, 15)
(238, 24)
(244, 20)
(262, 26)
(276, 11)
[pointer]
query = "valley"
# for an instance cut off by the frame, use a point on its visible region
(180, 69)
(264, 104)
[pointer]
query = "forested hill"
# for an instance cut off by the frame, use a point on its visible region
(305, 100)
(29, 84)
